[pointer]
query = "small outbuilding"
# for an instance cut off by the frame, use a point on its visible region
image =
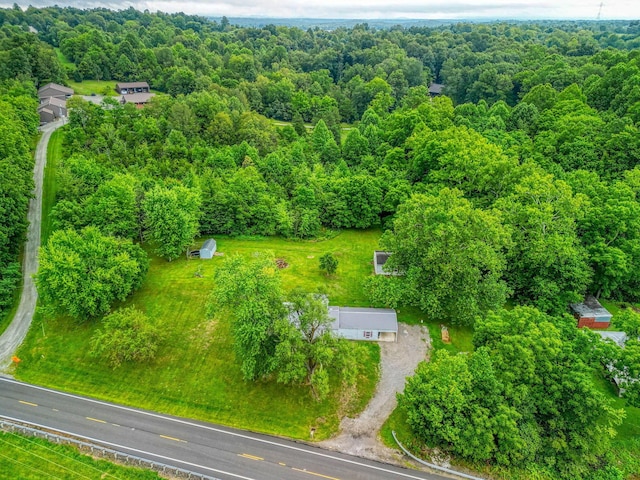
(129, 88)
(435, 89)
(208, 249)
(138, 99)
(591, 314)
(355, 323)
(379, 260)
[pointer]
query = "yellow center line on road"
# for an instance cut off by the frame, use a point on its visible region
(95, 420)
(315, 474)
(28, 403)
(172, 438)
(250, 457)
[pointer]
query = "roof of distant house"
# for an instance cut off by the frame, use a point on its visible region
(56, 102)
(120, 85)
(137, 97)
(590, 308)
(436, 88)
(61, 88)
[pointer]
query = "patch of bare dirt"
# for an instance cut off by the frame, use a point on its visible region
(359, 436)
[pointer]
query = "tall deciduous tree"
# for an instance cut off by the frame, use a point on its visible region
(547, 266)
(524, 397)
(451, 255)
(82, 274)
(113, 208)
(171, 219)
(307, 352)
(252, 291)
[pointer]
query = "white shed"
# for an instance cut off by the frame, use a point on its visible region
(208, 249)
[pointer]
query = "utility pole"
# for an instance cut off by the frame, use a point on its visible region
(599, 10)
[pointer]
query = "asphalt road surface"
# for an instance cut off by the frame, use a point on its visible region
(12, 337)
(196, 446)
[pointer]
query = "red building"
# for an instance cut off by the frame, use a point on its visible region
(591, 314)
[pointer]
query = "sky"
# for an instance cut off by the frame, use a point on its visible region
(373, 9)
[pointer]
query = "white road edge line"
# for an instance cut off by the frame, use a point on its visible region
(123, 447)
(206, 427)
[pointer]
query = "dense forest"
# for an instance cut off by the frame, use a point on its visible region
(519, 184)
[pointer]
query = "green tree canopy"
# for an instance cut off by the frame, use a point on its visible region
(126, 335)
(451, 256)
(82, 274)
(251, 290)
(171, 219)
(307, 351)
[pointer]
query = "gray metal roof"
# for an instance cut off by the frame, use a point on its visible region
(53, 101)
(137, 97)
(60, 88)
(436, 88)
(590, 308)
(120, 85)
(619, 337)
(360, 318)
(208, 245)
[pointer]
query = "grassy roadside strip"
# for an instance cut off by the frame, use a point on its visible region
(30, 458)
(54, 156)
(195, 373)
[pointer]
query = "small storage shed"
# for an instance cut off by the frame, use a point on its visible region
(208, 249)
(354, 323)
(379, 259)
(591, 314)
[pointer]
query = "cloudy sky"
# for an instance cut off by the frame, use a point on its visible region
(363, 9)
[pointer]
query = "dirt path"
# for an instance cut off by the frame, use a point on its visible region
(15, 333)
(359, 436)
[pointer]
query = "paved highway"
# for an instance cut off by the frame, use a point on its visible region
(197, 446)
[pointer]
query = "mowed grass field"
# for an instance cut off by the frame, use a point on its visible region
(27, 458)
(195, 373)
(99, 87)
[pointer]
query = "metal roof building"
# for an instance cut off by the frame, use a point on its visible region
(591, 314)
(208, 248)
(128, 88)
(358, 323)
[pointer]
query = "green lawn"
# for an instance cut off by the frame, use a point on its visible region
(195, 373)
(28, 458)
(54, 156)
(99, 87)
(64, 61)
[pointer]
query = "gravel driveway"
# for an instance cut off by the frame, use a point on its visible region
(12, 337)
(359, 436)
